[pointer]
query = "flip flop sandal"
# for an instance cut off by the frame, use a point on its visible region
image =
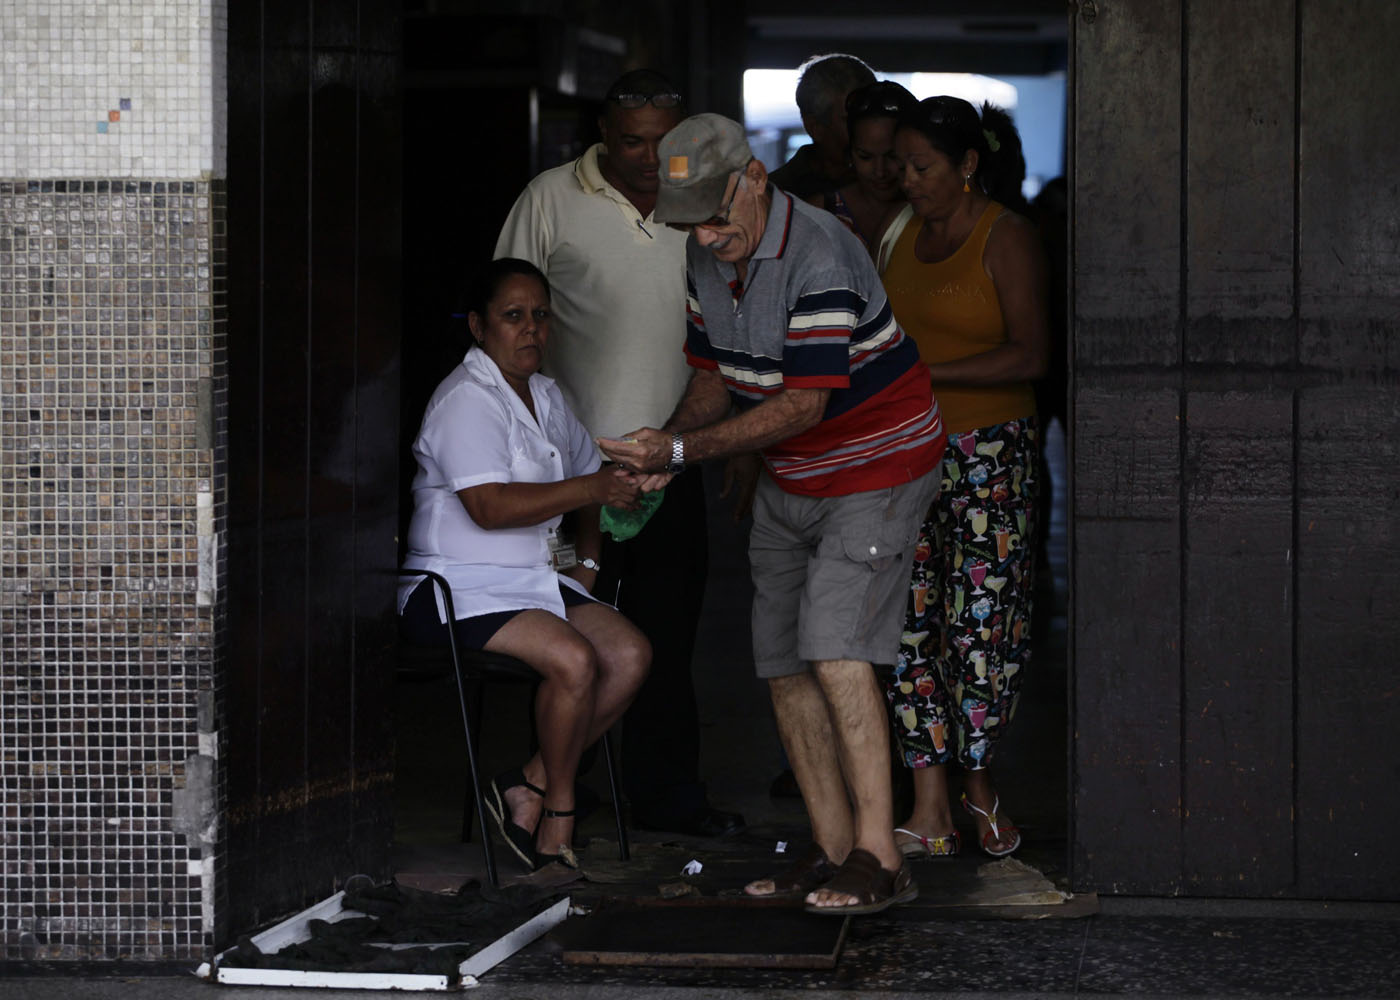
(811, 870)
(874, 888)
(928, 847)
(993, 836)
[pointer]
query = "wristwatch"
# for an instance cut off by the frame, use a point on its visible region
(677, 463)
(590, 563)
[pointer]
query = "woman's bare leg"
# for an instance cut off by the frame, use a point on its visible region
(563, 714)
(624, 656)
(932, 815)
(591, 667)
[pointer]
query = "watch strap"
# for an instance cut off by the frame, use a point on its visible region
(677, 454)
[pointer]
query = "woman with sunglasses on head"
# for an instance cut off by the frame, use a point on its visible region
(967, 281)
(873, 200)
(501, 460)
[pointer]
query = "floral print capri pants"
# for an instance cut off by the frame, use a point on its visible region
(967, 629)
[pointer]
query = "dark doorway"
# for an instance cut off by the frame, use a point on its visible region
(489, 101)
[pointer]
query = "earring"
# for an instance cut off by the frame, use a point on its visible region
(967, 184)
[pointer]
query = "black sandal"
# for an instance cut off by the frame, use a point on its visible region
(520, 840)
(566, 856)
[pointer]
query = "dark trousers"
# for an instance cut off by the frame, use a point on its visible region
(658, 577)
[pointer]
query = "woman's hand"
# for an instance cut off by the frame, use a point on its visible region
(614, 486)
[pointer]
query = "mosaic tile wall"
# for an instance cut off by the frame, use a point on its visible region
(122, 88)
(112, 124)
(108, 561)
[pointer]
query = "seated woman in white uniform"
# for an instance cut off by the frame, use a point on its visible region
(501, 459)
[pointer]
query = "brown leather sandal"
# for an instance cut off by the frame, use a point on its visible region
(812, 869)
(875, 888)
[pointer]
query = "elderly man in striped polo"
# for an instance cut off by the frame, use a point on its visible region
(797, 355)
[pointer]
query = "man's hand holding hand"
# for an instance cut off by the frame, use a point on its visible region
(644, 450)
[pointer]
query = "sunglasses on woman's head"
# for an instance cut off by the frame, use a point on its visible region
(888, 98)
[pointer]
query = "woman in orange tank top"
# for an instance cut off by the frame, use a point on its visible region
(967, 280)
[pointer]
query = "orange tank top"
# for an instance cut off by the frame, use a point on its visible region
(950, 309)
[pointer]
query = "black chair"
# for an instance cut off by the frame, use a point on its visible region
(475, 668)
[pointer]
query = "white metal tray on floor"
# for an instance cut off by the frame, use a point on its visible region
(296, 929)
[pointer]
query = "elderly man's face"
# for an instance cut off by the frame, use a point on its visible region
(739, 236)
(631, 136)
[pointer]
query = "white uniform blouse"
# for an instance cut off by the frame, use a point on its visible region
(476, 430)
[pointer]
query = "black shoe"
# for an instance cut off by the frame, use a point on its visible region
(520, 840)
(565, 856)
(705, 822)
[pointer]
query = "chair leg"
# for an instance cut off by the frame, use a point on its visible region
(478, 800)
(475, 698)
(622, 850)
(444, 592)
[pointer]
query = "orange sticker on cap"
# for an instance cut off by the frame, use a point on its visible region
(678, 168)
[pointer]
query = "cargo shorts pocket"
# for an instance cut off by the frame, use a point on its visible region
(875, 574)
(875, 546)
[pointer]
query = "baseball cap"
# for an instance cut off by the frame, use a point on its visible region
(697, 157)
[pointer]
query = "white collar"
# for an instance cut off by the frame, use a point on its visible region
(484, 371)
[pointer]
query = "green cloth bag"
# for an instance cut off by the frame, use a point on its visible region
(624, 524)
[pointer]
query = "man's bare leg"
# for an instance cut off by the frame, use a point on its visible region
(861, 729)
(804, 725)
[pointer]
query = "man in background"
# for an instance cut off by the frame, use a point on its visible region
(616, 351)
(822, 166)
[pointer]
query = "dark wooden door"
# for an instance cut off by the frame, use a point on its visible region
(312, 452)
(1236, 587)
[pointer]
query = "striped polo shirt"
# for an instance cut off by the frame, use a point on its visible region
(814, 315)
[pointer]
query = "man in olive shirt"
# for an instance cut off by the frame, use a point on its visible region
(617, 352)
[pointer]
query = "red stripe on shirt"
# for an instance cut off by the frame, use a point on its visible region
(696, 361)
(905, 408)
(820, 331)
(816, 381)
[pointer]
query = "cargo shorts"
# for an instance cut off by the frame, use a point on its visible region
(831, 574)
